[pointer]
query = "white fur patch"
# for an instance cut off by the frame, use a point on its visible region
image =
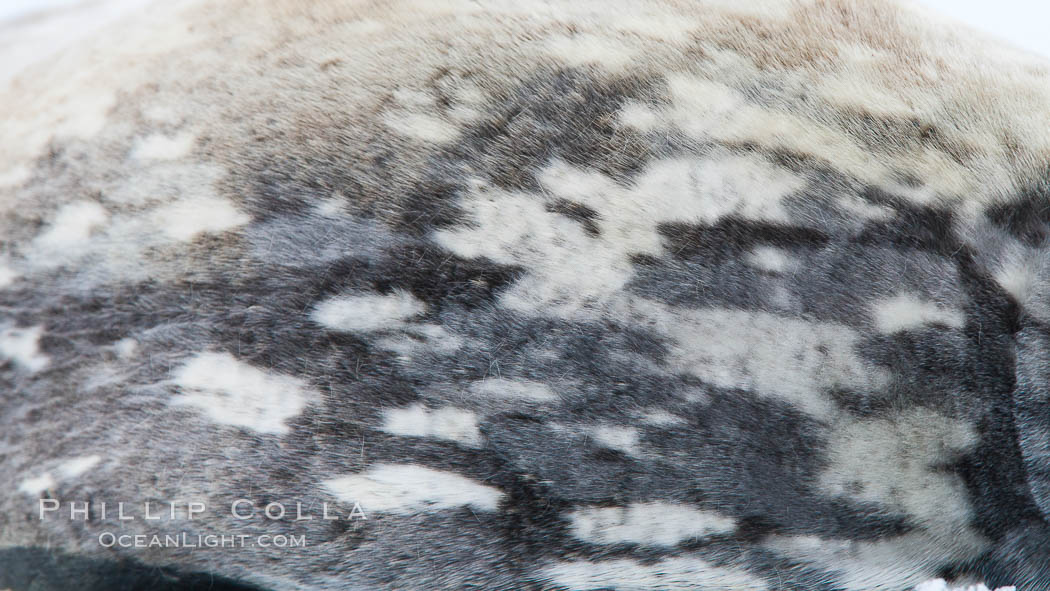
(14, 176)
(710, 110)
(232, 392)
(367, 312)
(1018, 280)
(68, 469)
(453, 424)
(942, 585)
(513, 389)
(653, 524)
(660, 418)
(161, 113)
(332, 207)
(769, 259)
(570, 271)
(1021, 272)
(698, 189)
(72, 226)
(76, 466)
(163, 183)
(126, 347)
(895, 563)
(424, 127)
(786, 358)
(437, 337)
(421, 338)
(862, 565)
(186, 219)
(896, 465)
(670, 574)
(701, 106)
(7, 275)
(408, 488)
(22, 346)
(711, 188)
(163, 147)
(624, 439)
(586, 49)
(907, 311)
(37, 485)
(639, 116)
(414, 98)
(863, 94)
(865, 210)
(86, 111)
(567, 269)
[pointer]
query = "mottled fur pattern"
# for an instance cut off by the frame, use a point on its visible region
(571, 295)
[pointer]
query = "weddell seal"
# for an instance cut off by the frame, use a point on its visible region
(677, 295)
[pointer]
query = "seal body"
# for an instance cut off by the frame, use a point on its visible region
(548, 295)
